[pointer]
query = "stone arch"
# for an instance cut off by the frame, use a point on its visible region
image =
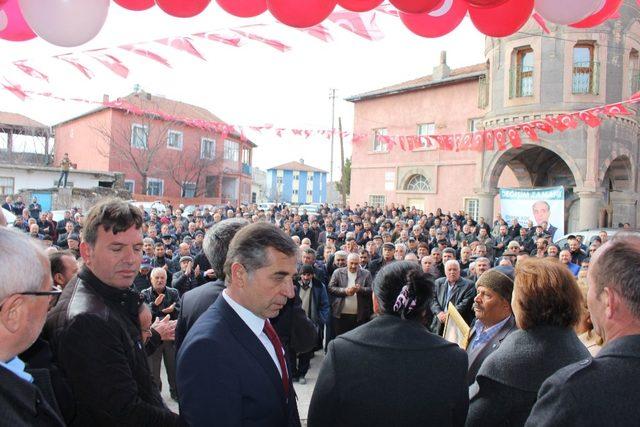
(617, 172)
(496, 165)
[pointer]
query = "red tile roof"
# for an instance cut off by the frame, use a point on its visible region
(455, 76)
(297, 166)
(18, 120)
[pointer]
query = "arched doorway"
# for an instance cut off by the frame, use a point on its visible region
(532, 166)
(619, 195)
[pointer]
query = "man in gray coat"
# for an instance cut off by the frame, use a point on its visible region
(494, 317)
(602, 391)
(350, 286)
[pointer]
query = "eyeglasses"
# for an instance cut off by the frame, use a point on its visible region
(54, 294)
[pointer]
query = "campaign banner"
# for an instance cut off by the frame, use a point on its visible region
(539, 205)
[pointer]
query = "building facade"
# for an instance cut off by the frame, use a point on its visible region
(525, 77)
(159, 157)
(296, 182)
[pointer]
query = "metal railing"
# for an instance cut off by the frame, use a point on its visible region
(483, 92)
(586, 78)
(520, 82)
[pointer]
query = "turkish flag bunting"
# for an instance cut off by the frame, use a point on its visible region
(477, 142)
(488, 140)
(555, 122)
(30, 71)
(269, 42)
(318, 31)
(589, 118)
(568, 121)
(616, 110)
(542, 125)
(146, 53)
(361, 24)
(113, 63)
(501, 139)
(530, 131)
(514, 136)
(231, 41)
(16, 90)
(84, 70)
(184, 44)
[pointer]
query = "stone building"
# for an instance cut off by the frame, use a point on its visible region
(526, 76)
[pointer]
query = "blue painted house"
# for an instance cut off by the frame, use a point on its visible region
(297, 183)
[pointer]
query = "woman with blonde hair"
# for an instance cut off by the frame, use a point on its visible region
(546, 303)
(584, 328)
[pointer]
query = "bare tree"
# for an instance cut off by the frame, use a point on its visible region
(138, 145)
(191, 165)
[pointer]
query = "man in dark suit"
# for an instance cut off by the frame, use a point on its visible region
(452, 288)
(494, 318)
(231, 366)
(26, 396)
(351, 287)
(602, 391)
(198, 300)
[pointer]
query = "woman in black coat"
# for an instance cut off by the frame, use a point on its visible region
(546, 304)
(392, 371)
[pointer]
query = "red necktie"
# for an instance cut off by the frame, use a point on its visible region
(277, 345)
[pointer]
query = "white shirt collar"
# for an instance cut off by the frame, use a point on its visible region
(255, 323)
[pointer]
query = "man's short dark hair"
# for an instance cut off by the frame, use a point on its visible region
(620, 255)
(57, 265)
(449, 251)
(217, 240)
(112, 215)
(249, 246)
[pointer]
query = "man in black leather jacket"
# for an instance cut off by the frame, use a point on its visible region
(95, 332)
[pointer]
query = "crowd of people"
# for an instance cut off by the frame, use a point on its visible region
(235, 302)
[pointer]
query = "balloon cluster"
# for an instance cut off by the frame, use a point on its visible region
(50, 19)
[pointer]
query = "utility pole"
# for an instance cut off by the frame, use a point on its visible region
(342, 178)
(332, 97)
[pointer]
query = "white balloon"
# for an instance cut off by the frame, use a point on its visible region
(565, 12)
(65, 23)
(4, 21)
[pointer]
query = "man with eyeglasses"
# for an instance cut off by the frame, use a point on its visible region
(26, 292)
(95, 332)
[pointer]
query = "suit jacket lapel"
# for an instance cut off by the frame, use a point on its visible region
(252, 344)
(492, 343)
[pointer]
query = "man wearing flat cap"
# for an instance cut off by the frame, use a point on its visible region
(185, 279)
(494, 318)
(388, 250)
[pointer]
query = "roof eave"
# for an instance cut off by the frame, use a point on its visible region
(443, 82)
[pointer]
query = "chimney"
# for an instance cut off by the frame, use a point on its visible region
(302, 161)
(105, 98)
(442, 71)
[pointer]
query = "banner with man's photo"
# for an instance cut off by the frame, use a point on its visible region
(542, 206)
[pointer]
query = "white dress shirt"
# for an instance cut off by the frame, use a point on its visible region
(256, 324)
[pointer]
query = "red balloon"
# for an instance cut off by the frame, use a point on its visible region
(301, 13)
(183, 8)
(136, 5)
(486, 3)
(244, 8)
(14, 26)
(416, 6)
(360, 5)
(610, 7)
(503, 20)
(438, 22)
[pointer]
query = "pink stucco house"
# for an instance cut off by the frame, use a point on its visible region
(445, 102)
(160, 158)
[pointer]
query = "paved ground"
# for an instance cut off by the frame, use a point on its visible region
(304, 391)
